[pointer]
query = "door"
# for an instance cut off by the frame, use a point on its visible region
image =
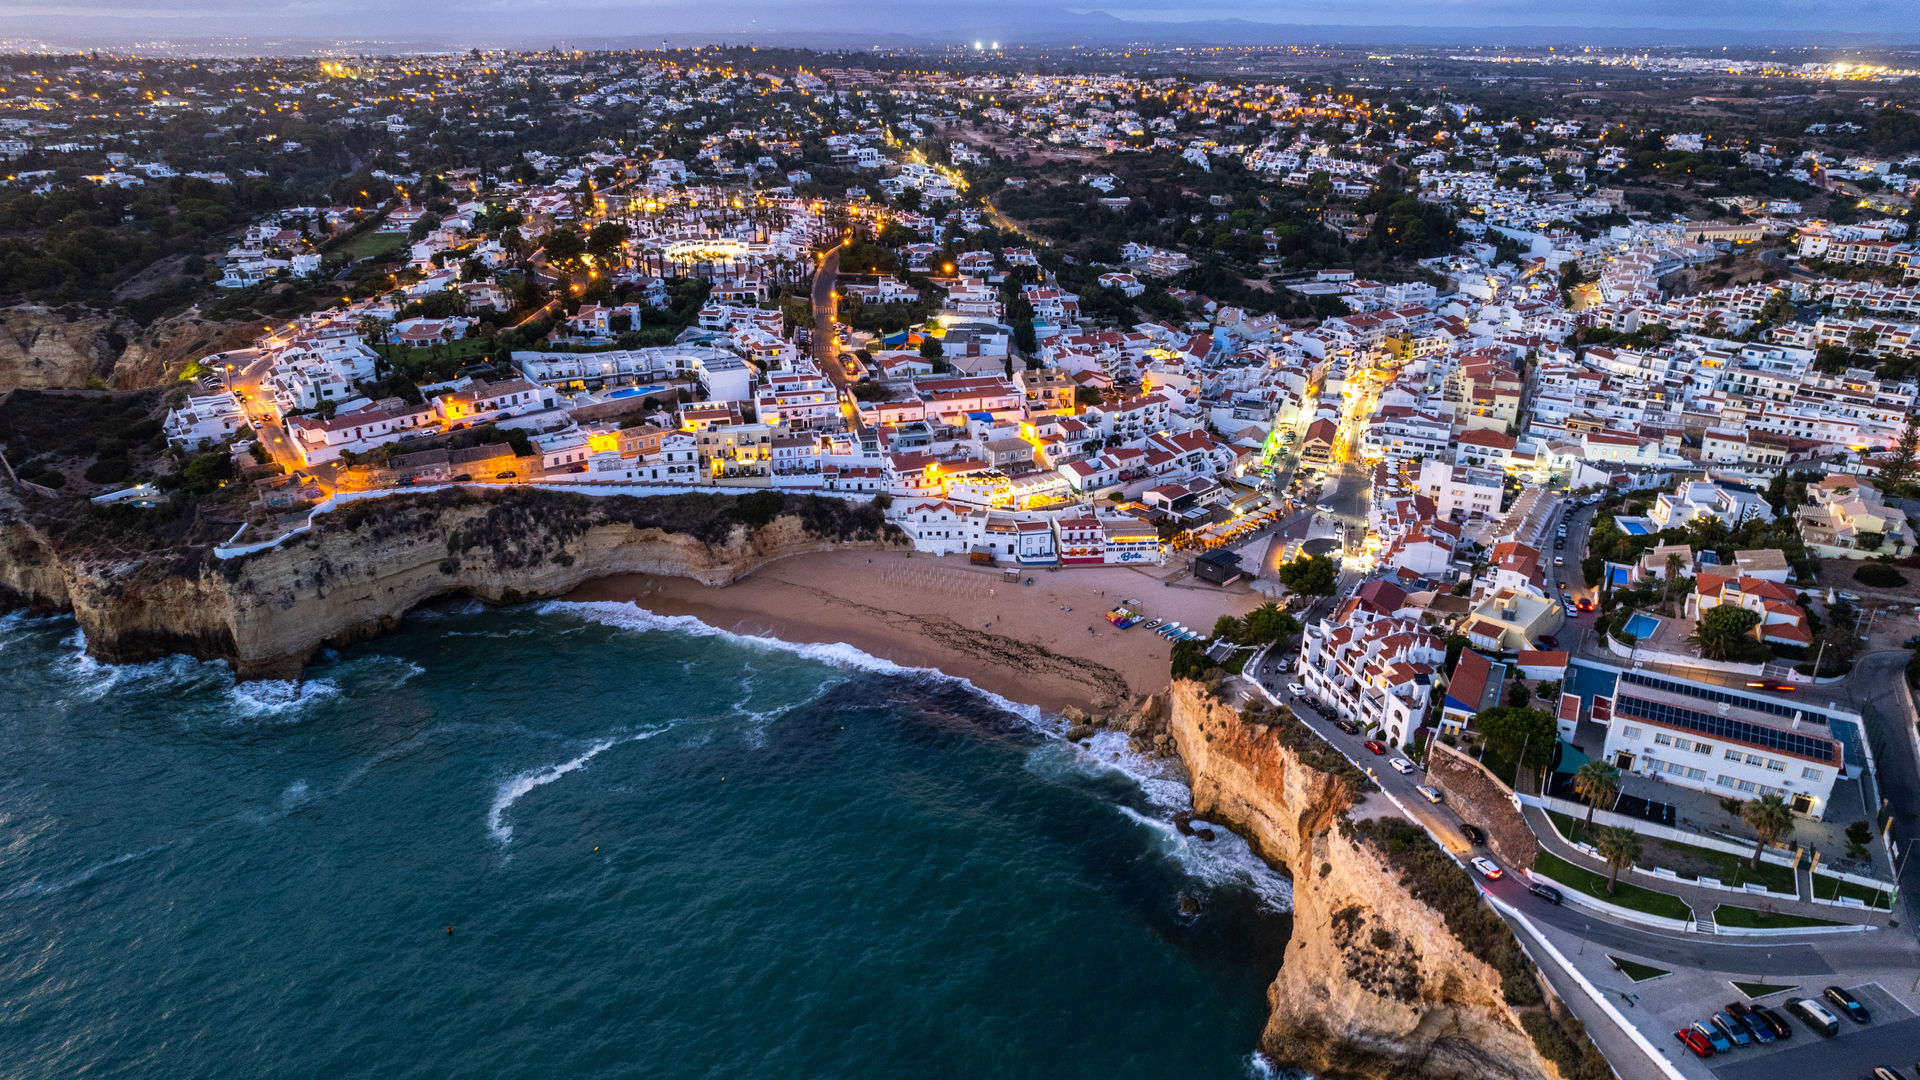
(1623, 761)
(1803, 804)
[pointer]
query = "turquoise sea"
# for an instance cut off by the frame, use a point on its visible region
(662, 852)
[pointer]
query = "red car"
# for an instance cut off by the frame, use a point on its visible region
(1696, 1042)
(1374, 745)
(1583, 604)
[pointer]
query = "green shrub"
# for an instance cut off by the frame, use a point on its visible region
(108, 470)
(1878, 576)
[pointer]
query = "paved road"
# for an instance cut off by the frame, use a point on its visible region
(826, 350)
(1806, 1056)
(1874, 684)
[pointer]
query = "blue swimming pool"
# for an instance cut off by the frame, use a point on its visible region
(632, 391)
(1641, 625)
(1634, 528)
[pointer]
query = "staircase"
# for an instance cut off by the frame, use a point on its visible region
(1703, 922)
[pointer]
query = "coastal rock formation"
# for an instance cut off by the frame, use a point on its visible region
(42, 348)
(364, 566)
(1374, 983)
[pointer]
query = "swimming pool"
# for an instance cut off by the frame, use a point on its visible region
(1633, 528)
(631, 391)
(1641, 625)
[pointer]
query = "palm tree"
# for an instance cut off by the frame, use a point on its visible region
(1596, 782)
(1674, 565)
(1621, 849)
(1770, 819)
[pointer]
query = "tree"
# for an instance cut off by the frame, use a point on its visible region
(1675, 564)
(1722, 631)
(1269, 623)
(1524, 736)
(1227, 628)
(1897, 472)
(1621, 849)
(1858, 834)
(1597, 782)
(931, 349)
(606, 241)
(563, 246)
(1310, 575)
(1770, 819)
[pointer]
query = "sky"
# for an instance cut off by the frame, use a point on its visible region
(537, 23)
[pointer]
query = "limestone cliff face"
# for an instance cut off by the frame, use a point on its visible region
(357, 574)
(42, 349)
(1373, 984)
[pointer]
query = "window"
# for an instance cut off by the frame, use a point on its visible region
(1725, 780)
(1776, 765)
(1733, 755)
(1662, 739)
(1696, 774)
(1756, 759)
(1746, 785)
(1683, 744)
(1703, 748)
(1810, 774)
(1630, 732)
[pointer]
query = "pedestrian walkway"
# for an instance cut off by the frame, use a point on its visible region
(1699, 898)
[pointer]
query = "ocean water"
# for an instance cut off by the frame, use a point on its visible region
(663, 852)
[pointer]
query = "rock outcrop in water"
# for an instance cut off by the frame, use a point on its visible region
(1374, 983)
(364, 566)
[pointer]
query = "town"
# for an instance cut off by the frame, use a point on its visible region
(1545, 423)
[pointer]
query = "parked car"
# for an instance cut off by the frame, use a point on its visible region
(506, 475)
(463, 478)
(1432, 794)
(1848, 1004)
(1375, 746)
(1475, 834)
(1761, 1031)
(1881, 1072)
(1695, 1042)
(1347, 726)
(1488, 869)
(1815, 1016)
(1401, 765)
(1721, 1044)
(1732, 1029)
(1549, 641)
(1545, 892)
(1296, 689)
(1775, 1022)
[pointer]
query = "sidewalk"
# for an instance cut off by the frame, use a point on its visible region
(1700, 899)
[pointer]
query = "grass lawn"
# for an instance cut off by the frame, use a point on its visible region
(1832, 888)
(1760, 990)
(1729, 915)
(1626, 894)
(1636, 971)
(1500, 767)
(1690, 861)
(372, 243)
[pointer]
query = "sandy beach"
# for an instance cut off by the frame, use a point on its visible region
(1045, 644)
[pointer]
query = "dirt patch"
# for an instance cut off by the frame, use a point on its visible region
(1481, 800)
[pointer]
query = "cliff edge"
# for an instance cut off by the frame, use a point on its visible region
(365, 565)
(1376, 982)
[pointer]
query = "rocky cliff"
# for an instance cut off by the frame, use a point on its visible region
(44, 349)
(367, 564)
(1374, 983)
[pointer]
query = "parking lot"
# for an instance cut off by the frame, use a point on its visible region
(1892, 1040)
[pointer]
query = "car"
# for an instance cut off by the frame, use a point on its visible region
(508, 474)
(463, 478)
(1347, 726)
(1815, 1016)
(1488, 869)
(1559, 545)
(1584, 603)
(1573, 609)
(1401, 765)
(1323, 508)
(1848, 1004)
(1296, 689)
(1431, 794)
(1851, 598)
(1695, 1042)
(1545, 892)
(1881, 1072)
(1375, 746)
(1775, 1023)
(1558, 561)
(1732, 1029)
(1549, 641)
(1476, 835)
(1756, 1026)
(1721, 1044)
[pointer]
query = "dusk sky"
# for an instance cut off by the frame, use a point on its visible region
(540, 22)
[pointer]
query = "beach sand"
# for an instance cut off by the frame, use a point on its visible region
(1019, 641)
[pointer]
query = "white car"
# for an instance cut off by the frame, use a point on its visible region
(1431, 794)
(1488, 870)
(1401, 765)
(1296, 689)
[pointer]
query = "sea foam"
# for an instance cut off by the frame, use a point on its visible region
(512, 789)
